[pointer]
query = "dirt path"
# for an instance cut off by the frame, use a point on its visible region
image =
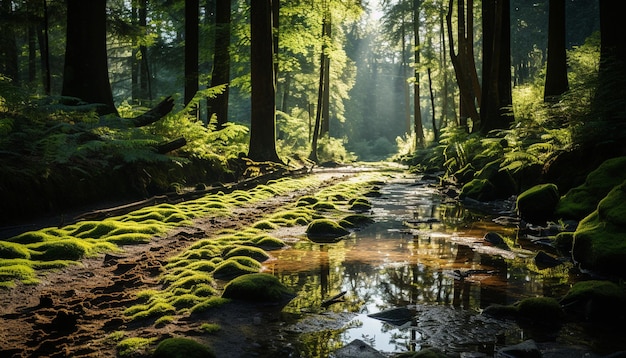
(73, 312)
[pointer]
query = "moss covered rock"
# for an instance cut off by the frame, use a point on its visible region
(258, 287)
(325, 230)
(582, 200)
(537, 204)
(182, 348)
(596, 301)
(478, 189)
(600, 239)
(236, 266)
(533, 311)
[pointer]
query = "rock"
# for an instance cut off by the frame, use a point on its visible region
(526, 349)
(182, 347)
(496, 240)
(357, 349)
(599, 243)
(478, 189)
(325, 230)
(544, 261)
(596, 301)
(537, 204)
(396, 316)
(582, 200)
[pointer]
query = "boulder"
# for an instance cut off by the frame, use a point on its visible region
(596, 301)
(600, 240)
(582, 200)
(258, 287)
(537, 204)
(526, 349)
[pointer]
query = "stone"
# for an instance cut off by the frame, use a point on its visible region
(526, 349)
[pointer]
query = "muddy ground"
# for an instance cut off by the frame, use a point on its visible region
(73, 312)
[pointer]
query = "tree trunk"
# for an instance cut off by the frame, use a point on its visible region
(609, 98)
(85, 73)
(325, 130)
(432, 104)
(44, 51)
(221, 63)
(320, 95)
(418, 127)
(8, 46)
(191, 50)
(556, 66)
(263, 102)
(496, 89)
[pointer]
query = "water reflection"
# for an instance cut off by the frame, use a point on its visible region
(420, 253)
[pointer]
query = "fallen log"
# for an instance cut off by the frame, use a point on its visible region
(172, 145)
(154, 114)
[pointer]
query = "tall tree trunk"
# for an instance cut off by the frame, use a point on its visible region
(44, 51)
(85, 73)
(496, 89)
(8, 46)
(556, 66)
(432, 104)
(405, 77)
(320, 94)
(276, 32)
(461, 64)
(263, 102)
(609, 98)
(221, 62)
(145, 81)
(326, 97)
(418, 127)
(192, 17)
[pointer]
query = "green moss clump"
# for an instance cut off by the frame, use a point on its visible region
(32, 237)
(182, 348)
(250, 251)
(132, 238)
(540, 310)
(186, 301)
(324, 205)
(355, 220)
(266, 242)
(232, 268)
(70, 249)
(583, 200)
(21, 272)
(325, 228)
(360, 204)
(207, 304)
(265, 225)
(478, 189)
(537, 204)
(599, 243)
(210, 328)
(129, 346)
(10, 250)
(260, 287)
(306, 201)
(596, 301)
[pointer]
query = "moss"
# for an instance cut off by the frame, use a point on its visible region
(162, 321)
(540, 311)
(265, 225)
(203, 290)
(23, 273)
(260, 287)
(250, 251)
(324, 205)
(355, 220)
(582, 200)
(306, 201)
(360, 204)
(129, 346)
(231, 268)
(207, 304)
(537, 204)
(156, 309)
(192, 280)
(32, 237)
(478, 189)
(210, 328)
(325, 228)
(266, 242)
(132, 238)
(594, 289)
(600, 238)
(596, 301)
(71, 249)
(186, 301)
(182, 348)
(10, 250)
(97, 230)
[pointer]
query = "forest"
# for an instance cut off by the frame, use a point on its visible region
(183, 144)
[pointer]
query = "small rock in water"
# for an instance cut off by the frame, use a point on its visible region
(526, 349)
(358, 349)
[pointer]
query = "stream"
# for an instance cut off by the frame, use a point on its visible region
(426, 261)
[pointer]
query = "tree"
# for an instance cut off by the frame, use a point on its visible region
(556, 67)
(609, 99)
(85, 73)
(221, 62)
(463, 61)
(8, 46)
(496, 82)
(191, 49)
(418, 127)
(263, 102)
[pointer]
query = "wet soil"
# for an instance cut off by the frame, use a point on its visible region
(74, 311)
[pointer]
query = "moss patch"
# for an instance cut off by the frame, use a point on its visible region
(537, 204)
(182, 348)
(325, 229)
(259, 287)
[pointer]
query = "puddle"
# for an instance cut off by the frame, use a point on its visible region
(421, 253)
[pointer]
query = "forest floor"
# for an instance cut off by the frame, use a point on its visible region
(76, 311)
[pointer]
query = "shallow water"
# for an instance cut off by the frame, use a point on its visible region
(410, 257)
